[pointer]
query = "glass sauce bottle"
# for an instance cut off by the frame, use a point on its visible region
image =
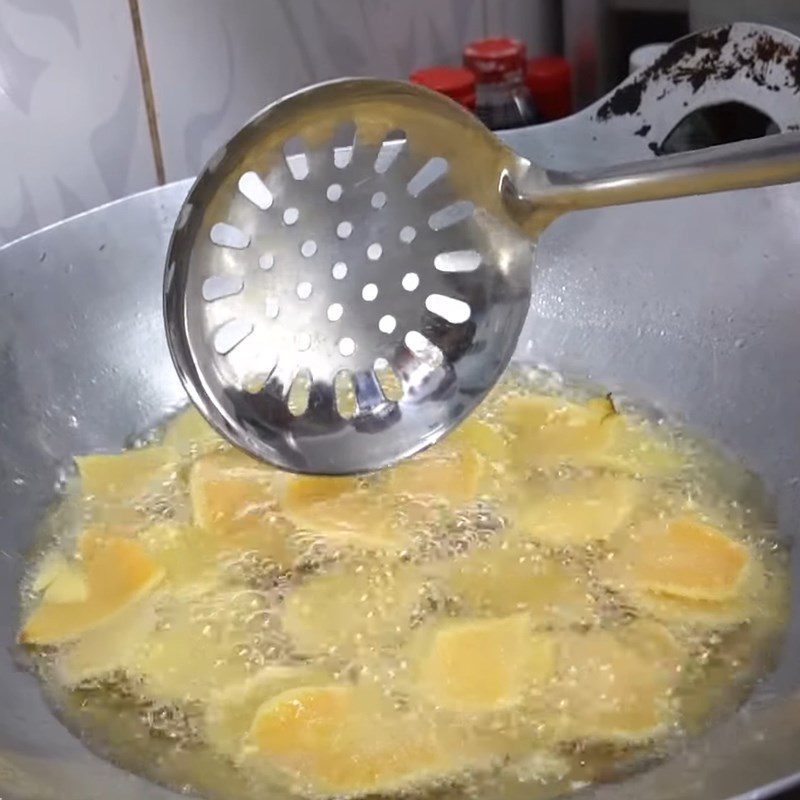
(502, 96)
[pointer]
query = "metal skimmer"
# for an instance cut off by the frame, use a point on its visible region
(348, 276)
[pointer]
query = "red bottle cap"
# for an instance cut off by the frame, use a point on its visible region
(493, 60)
(455, 82)
(550, 84)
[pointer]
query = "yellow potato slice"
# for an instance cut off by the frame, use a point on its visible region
(353, 611)
(230, 711)
(697, 612)
(362, 520)
(578, 511)
(108, 647)
(383, 515)
(118, 572)
(341, 740)
(68, 585)
(636, 450)
(232, 497)
(188, 555)
(343, 511)
(610, 688)
(108, 478)
(501, 580)
(655, 643)
(682, 558)
(480, 665)
(449, 477)
(188, 433)
(298, 491)
(482, 437)
(203, 644)
(548, 431)
(748, 604)
(47, 570)
(230, 493)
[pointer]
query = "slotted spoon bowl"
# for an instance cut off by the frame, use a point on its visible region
(362, 233)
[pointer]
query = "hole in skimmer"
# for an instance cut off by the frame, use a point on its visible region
(294, 151)
(272, 308)
(230, 334)
(458, 261)
(388, 380)
(407, 234)
(428, 174)
(450, 215)
(219, 286)
(387, 324)
(297, 400)
(392, 144)
(422, 347)
(224, 234)
(344, 141)
(344, 394)
(369, 292)
(448, 308)
(253, 188)
(410, 281)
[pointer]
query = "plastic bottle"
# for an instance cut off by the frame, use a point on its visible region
(550, 85)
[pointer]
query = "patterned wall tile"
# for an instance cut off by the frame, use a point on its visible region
(214, 64)
(71, 108)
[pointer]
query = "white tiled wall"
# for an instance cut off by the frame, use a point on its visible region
(73, 130)
(211, 76)
(73, 125)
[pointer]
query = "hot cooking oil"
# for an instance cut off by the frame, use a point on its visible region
(555, 595)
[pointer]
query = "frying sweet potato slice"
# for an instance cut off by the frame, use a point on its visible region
(548, 431)
(202, 644)
(109, 647)
(347, 612)
(342, 740)
(683, 557)
(232, 497)
(190, 434)
(578, 511)
(231, 710)
(117, 571)
(615, 687)
(342, 511)
(507, 578)
(480, 665)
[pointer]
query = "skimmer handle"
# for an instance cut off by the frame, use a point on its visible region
(543, 195)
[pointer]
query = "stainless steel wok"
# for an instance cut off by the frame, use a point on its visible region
(690, 305)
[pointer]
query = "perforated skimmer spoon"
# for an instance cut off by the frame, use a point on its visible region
(365, 233)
